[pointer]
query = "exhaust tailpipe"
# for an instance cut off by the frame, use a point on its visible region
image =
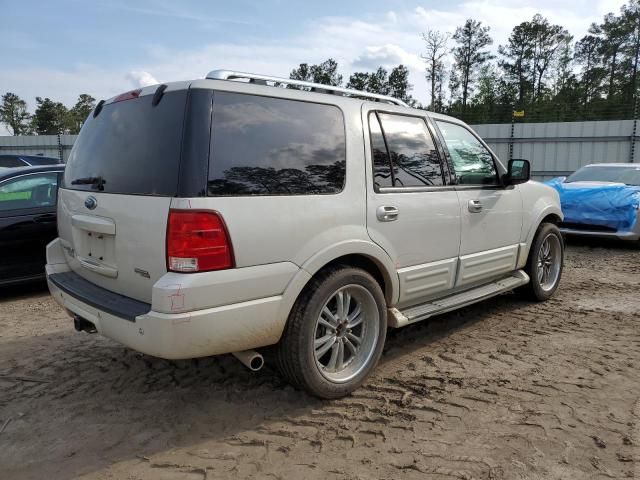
(83, 325)
(250, 359)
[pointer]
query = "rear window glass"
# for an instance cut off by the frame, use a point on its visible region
(10, 162)
(628, 175)
(131, 147)
(273, 146)
(36, 161)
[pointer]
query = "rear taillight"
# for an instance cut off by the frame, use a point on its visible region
(197, 241)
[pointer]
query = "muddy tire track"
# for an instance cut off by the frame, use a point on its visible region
(501, 390)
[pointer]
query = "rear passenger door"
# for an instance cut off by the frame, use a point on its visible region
(491, 213)
(412, 211)
(27, 223)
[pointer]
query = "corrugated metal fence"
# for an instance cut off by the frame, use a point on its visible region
(552, 148)
(57, 146)
(556, 149)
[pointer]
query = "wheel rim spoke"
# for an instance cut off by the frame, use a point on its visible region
(333, 361)
(540, 273)
(322, 340)
(329, 316)
(350, 346)
(325, 348)
(340, 305)
(356, 311)
(340, 360)
(346, 305)
(356, 321)
(356, 340)
(326, 324)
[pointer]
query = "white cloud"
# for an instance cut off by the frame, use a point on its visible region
(387, 56)
(141, 78)
(357, 44)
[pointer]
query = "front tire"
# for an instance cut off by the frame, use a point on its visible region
(335, 333)
(545, 263)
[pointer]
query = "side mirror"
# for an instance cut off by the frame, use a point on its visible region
(519, 171)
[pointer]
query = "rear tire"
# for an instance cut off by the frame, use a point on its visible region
(335, 333)
(545, 263)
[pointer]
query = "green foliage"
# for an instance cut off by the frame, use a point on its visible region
(529, 55)
(325, 73)
(79, 112)
(382, 82)
(13, 113)
(543, 72)
(469, 56)
(50, 118)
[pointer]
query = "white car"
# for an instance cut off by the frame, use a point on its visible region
(223, 215)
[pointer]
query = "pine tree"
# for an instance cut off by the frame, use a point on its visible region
(13, 113)
(470, 55)
(435, 52)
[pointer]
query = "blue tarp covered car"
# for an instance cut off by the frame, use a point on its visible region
(601, 200)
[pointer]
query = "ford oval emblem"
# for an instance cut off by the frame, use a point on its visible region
(91, 202)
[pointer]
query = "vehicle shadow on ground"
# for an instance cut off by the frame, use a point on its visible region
(607, 243)
(22, 291)
(79, 402)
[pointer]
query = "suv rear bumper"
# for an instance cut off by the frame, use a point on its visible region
(233, 327)
(201, 333)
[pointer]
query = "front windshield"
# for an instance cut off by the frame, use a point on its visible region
(629, 175)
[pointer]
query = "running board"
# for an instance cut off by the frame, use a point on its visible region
(399, 318)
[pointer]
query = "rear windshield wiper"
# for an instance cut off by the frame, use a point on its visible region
(95, 182)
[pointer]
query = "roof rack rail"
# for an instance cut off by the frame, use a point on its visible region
(256, 78)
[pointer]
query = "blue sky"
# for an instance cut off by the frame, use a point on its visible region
(63, 48)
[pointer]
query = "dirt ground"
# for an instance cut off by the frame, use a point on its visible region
(501, 390)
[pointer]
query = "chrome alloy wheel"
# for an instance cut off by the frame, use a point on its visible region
(346, 333)
(549, 262)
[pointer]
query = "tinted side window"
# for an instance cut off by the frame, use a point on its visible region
(273, 146)
(409, 150)
(29, 191)
(413, 153)
(472, 162)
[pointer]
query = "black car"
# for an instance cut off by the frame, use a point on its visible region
(27, 220)
(12, 161)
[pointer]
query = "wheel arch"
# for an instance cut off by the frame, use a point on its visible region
(358, 253)
(549, 213)
(363, 254)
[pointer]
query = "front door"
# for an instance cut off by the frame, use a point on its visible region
(412, 211)
(491, 213)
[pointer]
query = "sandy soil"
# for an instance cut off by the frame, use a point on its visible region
(501, 390)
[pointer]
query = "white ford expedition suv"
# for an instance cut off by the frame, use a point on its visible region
(226, 214)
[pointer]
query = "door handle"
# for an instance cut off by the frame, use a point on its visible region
(475, 206)
(387, 213)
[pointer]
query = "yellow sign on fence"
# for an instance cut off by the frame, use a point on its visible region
(518, 113)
